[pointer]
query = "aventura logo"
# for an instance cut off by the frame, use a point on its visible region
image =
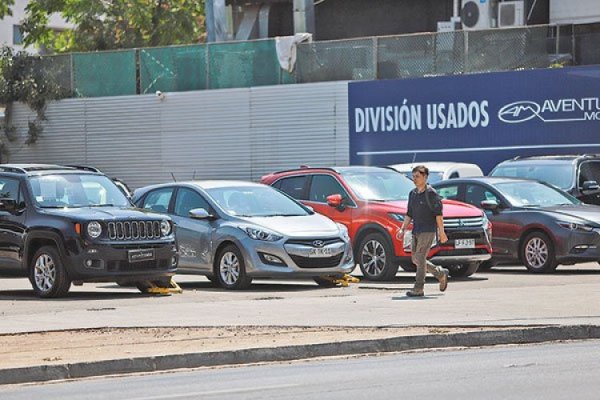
(561, 110)
(414, 117)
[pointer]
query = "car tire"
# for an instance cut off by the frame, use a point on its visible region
(487, 265)
(144, 286)
(47, 273)
(463, 270)
(376, 258)
(537, 253)
(409, 267)
(230, 269)
(324, 282)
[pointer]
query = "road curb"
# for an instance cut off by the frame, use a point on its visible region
(521, 335)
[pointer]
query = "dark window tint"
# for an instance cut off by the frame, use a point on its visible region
(17, 35)
(475, 194)
(323, 186)
(188, 199)
(158, 200)
(589, 171)
(294, 186)
(448, 192)
(9, 189)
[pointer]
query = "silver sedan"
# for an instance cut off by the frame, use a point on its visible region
(233, 231)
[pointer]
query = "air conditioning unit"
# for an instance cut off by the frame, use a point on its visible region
(478, 14)
(511, 13)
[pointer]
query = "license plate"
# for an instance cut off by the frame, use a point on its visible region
(140, 255)
(320, 253)
(464, 244)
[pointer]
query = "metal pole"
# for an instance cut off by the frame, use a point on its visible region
(304, 16)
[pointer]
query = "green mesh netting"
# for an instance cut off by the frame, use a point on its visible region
(104, 73)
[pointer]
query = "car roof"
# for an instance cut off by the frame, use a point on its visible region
(202, 184)
(483, 179)
(567, 158)
(41, 169)
(433, 165)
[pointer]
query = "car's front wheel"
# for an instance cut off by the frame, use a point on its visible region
(231, 269)
(376, 258)
(537, 253)
(47, 273)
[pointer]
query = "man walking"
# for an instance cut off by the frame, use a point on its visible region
(425, 211)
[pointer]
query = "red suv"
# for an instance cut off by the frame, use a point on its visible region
(371, 202)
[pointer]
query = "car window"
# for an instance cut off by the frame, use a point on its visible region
(475, 194)
(589, 171)
(188, 199)
(323, 186)
(9, 188)
(559, 174)
(294, 186)
(449, 192)
(158, 200)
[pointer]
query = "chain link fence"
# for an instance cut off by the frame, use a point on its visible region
(255, 63)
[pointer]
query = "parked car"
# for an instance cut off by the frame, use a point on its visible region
(439, 171)
(577, 175)
(534, 222)
(63, 225)
(120, 184)
(372, 203)
(233, 232)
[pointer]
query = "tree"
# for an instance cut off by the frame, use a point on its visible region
(5, 8)
(114, 24)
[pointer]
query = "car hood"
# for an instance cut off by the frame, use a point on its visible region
(102, 213)
(315, 225)
(583, 211)
(451, 209)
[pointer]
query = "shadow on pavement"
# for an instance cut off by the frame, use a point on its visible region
(524, 271)
(258, 287)
(426, 297)
(28, 295)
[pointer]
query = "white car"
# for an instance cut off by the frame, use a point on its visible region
(441, 170)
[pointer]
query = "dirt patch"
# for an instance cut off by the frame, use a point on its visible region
(48, 348)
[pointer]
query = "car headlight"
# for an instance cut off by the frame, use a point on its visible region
(397, 217)
(94, 229)
(165, 227)
(576, 227)
(343, 231)
(261, 234)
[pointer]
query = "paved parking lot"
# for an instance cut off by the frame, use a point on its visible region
(506, 296)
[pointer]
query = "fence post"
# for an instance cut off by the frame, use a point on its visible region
(466, 39)
(375, 57)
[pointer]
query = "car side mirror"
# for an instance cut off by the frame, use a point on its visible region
(8, 205)
(336, 201)
(590, 186)
(199, 213)
(490, 205)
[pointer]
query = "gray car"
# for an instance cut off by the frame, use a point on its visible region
(233, 231)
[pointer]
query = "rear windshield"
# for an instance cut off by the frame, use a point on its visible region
(560, 174)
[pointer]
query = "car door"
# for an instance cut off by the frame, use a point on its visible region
(194, 237)
(323, 186)
(504, 230)
(158, 200)
(12, 225)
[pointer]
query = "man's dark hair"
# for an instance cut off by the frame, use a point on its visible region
(421, 169)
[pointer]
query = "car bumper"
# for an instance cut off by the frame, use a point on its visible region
(111, 261)
(460, 259)
(294, 265)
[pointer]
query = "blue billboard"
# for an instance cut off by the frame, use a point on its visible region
(480, 118)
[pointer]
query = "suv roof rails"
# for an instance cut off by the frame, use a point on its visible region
(84, 168)
(13, 169)
(303, 168)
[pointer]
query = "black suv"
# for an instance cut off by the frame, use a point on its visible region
(577, 175)
(62, 225)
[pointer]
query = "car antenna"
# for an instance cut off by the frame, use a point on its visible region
(194, 176)
(173, 175)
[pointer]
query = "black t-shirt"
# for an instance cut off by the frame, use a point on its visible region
(423, 212)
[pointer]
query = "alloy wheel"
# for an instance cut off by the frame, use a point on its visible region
(373, 257)
(536, 252)
(229, 268)
(44, 273)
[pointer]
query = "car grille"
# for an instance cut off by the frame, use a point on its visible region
(471, 222)
(310, 242)
(138, 266)
(470, 234)
(461, 252)
(134, 230)
(325, 262)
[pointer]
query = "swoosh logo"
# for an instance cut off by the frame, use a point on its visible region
(519, 111)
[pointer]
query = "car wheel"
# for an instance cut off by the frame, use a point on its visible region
(487, 265)
(325, 282)
(231, 269)
(376, 258)
(463, 270)
(537, 253)
(47, 273)
(408, 267)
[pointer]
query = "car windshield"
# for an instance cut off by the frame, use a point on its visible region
(434, 176)
(76, 190)
(255, 201)
(378, 185)
(560, 175)
(534, 194)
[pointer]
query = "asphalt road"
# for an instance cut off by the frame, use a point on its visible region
(507, 296)
(550, 371)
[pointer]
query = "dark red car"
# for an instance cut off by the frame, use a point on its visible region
(372, 203)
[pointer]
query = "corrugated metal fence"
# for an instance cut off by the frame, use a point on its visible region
(225, 134)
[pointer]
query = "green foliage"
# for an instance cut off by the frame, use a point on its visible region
(22, 79)
(116, 24)
(5, 7)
